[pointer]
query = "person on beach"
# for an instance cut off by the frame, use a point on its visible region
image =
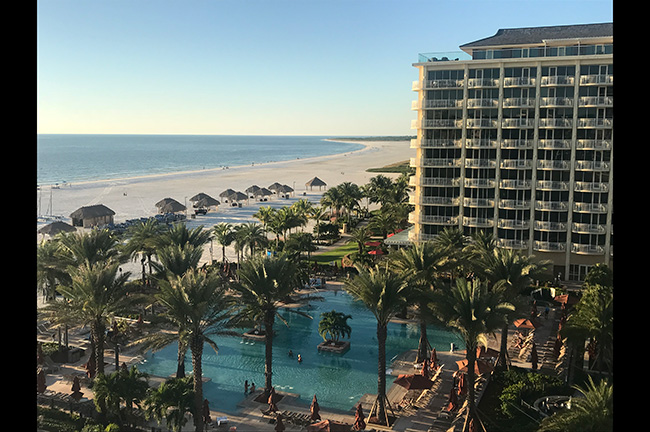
(246, 387)
(252, 387)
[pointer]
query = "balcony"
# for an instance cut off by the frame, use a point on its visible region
(557, 80)
(593, 144)
(554, 144)
(555, 122)
(601, 101)
(583, 228)
(551, 205)
(436, 103)
(436, 143)
(556, 102)
(510, 204)
(433, 181)
(479, 183)
(436, 84)
(478, 222)
(550, 226)
(478, 202)
(435, 162)
(581, 207)
(482, 103)
(546, 246)
(553, 164)
(597, 79)
(480, 143)
(482, 82)
(587, 123)
(519, 103)
(512, 243)
(591, 187)
(481, 123)
(581, 165)
(515, 184)
(581, 249)
(516, 164)
(513, 224)
(552, 185)
(436, 123)
(518, 123)
(480, 163)
(519, 82)
(517, 144)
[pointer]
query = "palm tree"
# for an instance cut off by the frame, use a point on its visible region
(333, 198)
(421, 263)
(92, 247)
(334, 324)
(198, 304)
(594, 412)
(180, 234)
(143, 240)
(360, 236)
(509, 272)
(252, 235)
(472, 311)
(317, 213)
(303, 207)
(350, 194)
(223, 233)
(265, 215)
(170, 401)
(384, 223)
(382, 292)
(263, 283)
(117, 393)
(454, 241)
(378, 189)
(95, 296)
(48, 269)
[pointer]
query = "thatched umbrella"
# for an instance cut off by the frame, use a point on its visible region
(284, 189)
(199, 197)
(56, 227)
(274, 187)
(253, 189)
(315, 182)
(225, 194)
(238, 196)
(169, 205)
(206, 202)
(263, 192)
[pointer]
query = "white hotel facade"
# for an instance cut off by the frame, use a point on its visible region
(515, 136)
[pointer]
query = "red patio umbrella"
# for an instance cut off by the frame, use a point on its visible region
(376, 252)
(279, 426)
(372, 243)
(76, 387)
(453, 401)
(206, 412)
(41, 386)
(526, 323)
(314, 409)
(359, 423)
(413, 382)
(480, 366)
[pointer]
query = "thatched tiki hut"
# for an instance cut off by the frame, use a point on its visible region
(90, 216)
(315, 182)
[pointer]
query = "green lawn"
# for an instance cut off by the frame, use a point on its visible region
(334, 255)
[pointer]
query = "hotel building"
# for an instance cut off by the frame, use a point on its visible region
(515, 136)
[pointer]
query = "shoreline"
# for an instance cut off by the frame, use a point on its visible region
(135, 197)
(206, 170)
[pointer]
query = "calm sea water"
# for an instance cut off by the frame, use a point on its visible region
(68, 158)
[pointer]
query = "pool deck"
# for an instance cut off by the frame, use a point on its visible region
(250, 417)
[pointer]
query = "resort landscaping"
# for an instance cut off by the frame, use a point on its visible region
(507, 376)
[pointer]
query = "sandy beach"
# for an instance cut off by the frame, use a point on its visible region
(132, 198)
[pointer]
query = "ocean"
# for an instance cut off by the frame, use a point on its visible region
(68, 158)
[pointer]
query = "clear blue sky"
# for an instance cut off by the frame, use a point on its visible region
(257, 67)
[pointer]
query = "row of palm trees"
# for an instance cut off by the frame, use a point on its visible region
(195, 304)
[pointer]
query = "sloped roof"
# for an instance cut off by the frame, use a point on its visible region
(315, 182)
(537, 35)
(92, 212)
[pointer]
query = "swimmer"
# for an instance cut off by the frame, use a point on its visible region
(290, 353)
(299, 358)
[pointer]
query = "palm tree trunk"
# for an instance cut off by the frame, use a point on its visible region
(502, 361)
(381, 374)
(423, 345)
(97, 331)
(197, 375)
(471, 379)
(269, 319)
(180, 361)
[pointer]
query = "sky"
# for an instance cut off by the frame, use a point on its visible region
(257, 67)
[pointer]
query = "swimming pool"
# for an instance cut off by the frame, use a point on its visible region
(338, 380)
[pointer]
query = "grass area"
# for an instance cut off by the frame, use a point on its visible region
(398, 167)
(335, 254)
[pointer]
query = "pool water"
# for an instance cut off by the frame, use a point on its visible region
(337, 380)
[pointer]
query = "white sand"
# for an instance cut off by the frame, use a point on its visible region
(132, 198)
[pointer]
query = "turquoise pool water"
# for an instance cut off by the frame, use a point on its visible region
(337, 380)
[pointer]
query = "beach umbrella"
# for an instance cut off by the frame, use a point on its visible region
(169, 205)
(199, 196)
(206, 202)
(226, 193)
(413, 382)
(315, 182)
(263, 192)
(205, 412)
(40, 382)
(376, 252)
(76, 387)
(453, 401)
(275, 186)
(480, 366)
(238, 196)
(314, 409)
(525, 323)
(533, 356)
(359, 423)
(279, 425)
(56, 227)
(328, 426)
(253, 189)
